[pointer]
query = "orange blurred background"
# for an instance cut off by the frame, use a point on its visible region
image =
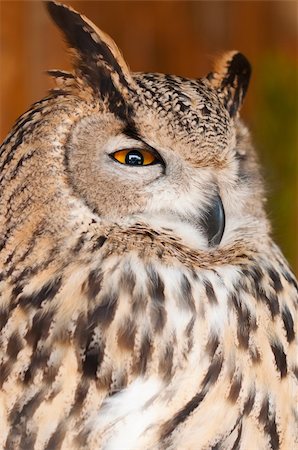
(180, 37)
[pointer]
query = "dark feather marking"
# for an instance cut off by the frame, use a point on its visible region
(212, 345)
(13, 173)
(186, 294)
(40, 327)
(144, 87)
(264, 411)
(46, 292)
(10, 220)
(90, 362)
(166, 362)
(275, 279)
(21, 206)
(237, 77)
(29, 271)
(271, 300)
(93, 357)
(80, 395)
(80, 243)
(145, 353)
(246, 322)
(15, 345)
(4, 316)
(36, 107)
(104, 313)
(116, 103)
(94, 284)
(56, 440)
(273, 304)
(31, 244)
(189, 332)
(249, 402)
(256, 274)
(4, 239)
(131, 131)
(19, 140)
(80, 334)
(289, 277)
(81, 438)
(9, 257)
(182, 415)
(60, 74)
(99, 242)
(280, 358)
(213, 372)
(19, 132)
(50, 373)
(288, 323)
(236, 444)
(235, 388)
(210, 292)
(243, 332)
(221, 444)
(18, 288)
(155, 288)
(27, 440)
(18, 127)
(39, 360)
(216, 446)
(271, 429)
(5, 369)
(269, 422)
(243, 335)
(21, 413)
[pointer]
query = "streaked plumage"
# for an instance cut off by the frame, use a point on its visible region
(141, 307)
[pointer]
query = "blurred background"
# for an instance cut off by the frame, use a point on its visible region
(180, 37)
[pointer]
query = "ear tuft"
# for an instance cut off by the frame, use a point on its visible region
(97, 59)
(231, 78)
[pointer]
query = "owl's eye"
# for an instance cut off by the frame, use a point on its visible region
(135, 157)
(214, 222)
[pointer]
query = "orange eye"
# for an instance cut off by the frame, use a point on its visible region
(135, 157)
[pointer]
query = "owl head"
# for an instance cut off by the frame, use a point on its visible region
(152, 148)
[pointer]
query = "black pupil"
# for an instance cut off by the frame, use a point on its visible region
(134, 158)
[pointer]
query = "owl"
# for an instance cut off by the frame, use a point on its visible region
(143, 303)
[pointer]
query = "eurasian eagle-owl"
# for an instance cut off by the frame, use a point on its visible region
(143, 302)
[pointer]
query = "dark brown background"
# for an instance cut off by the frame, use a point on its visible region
(183, 38)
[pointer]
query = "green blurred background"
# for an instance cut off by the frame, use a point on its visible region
(181, 37)
(275, 127)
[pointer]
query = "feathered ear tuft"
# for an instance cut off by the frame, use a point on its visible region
(231, 78)
(97, 58)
